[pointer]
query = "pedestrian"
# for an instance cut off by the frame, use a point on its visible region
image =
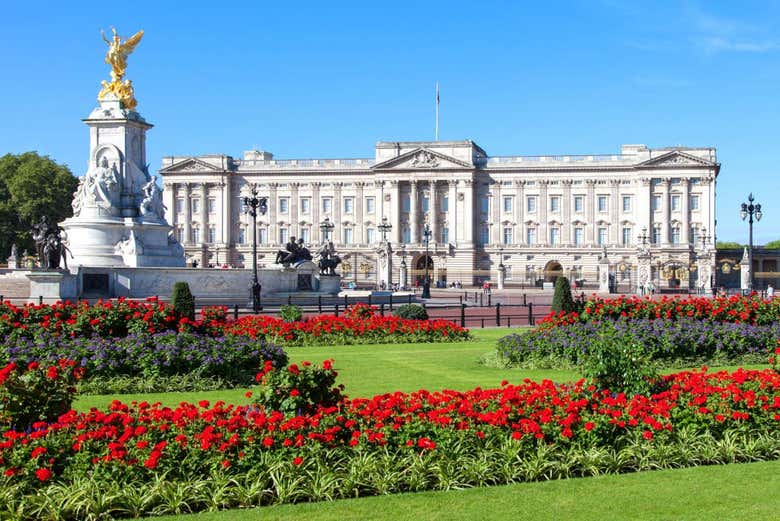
(770, 292)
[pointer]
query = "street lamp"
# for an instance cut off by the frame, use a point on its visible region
(326, 227)
(749, 210)
(251, 206)
(426, 292)
(384, 228)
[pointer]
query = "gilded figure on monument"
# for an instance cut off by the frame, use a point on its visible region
(116, 57)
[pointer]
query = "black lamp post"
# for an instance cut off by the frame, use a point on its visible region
(749, 210)
(384, 228)
(426, 292)
(251, 206)
(326, 227)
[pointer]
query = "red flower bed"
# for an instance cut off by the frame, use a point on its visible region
(737, 309)
(192, 440)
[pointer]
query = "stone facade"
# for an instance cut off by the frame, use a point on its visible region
(539, 216)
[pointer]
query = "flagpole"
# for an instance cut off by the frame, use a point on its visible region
(437, 111)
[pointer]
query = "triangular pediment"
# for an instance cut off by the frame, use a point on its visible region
(422, 159)
(676, 159)
(191, 164)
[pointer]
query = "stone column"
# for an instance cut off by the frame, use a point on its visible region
(414, 214)
(204, 213)
(433, 207)
(665, 211)
(495, 233)
(294, 231)
(379, 205)
(169, 199)
(590, 213)
(644, 207)
(359, 232)
(566, 203)
(227, 212)
(543, 237)
(315, 212)
(686, 211)
(395, 210)
(452, 210)
(614, 185)
(187, 213)
(273, 228)
(468, 211)
(519, 211)
(337, 233)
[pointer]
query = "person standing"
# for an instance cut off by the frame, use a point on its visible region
(770, 292)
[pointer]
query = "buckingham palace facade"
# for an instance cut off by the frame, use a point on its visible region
(534, 217)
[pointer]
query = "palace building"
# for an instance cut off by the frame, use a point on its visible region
(534, 217)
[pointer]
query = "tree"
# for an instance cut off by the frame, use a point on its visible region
(562, 300)
(728, 245)
(773, 245)
(182, 300)
(31, 186)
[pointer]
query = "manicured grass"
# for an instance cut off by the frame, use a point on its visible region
(724, 492)
(368, 370)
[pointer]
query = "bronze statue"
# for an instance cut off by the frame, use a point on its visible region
(116, 57)
(48, 244)
(328, 259)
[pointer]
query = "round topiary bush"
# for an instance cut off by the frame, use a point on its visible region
(182, 300)
(411, 312)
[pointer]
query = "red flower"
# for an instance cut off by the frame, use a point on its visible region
(43, 474)
(297, 460)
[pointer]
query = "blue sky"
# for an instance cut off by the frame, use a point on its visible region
(329, 79)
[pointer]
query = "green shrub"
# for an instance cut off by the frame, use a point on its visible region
(291, 313)
(411, 312)
(562, 300)
(183, 301)
(298, 390)
(34, 392)
(620, 364)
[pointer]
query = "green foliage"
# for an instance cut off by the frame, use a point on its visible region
(619, 364)
(728, 245)
(182, 300)
(562, 299)
(298, 390)
(291, 313)
(31, 186)
(772, 245)
(411, 312)
(35, 392)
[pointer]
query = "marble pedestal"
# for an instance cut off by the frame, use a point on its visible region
(52, 286)
(330, 284)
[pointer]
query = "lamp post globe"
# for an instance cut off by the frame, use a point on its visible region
(747, 211)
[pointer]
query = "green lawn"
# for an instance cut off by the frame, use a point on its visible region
(367, 370)
(725, 492)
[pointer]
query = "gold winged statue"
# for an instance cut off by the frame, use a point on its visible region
(116, 57)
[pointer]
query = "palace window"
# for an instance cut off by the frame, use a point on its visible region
(195, 205)
(347, 235)
(406, 235)
(602, 235)
(284, 235)
(212, 234)
(370, 205)
(426, 203)
(579, 235)
(530, 204)
(180, 205)
(195, 235)
(305, 234)
(694, 202)
(508, 204)
(211, 203)
(305, 205)
(370, 235)
(675, 203)
(262, 235)
(626, 237)
(579, 203)
(507, 235)
(242, 235)
(406, 203)
(445, 204)
(602, 203)
(655, 203)
(180, 235)
(555, 236)
(656, 235)
(555, 204)
(530, 236)
(284, 204)
(327, 204)
(676, 235)
(349, 204)
(484, 235)
(445, 235)
(694, 235)
(626, 203)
